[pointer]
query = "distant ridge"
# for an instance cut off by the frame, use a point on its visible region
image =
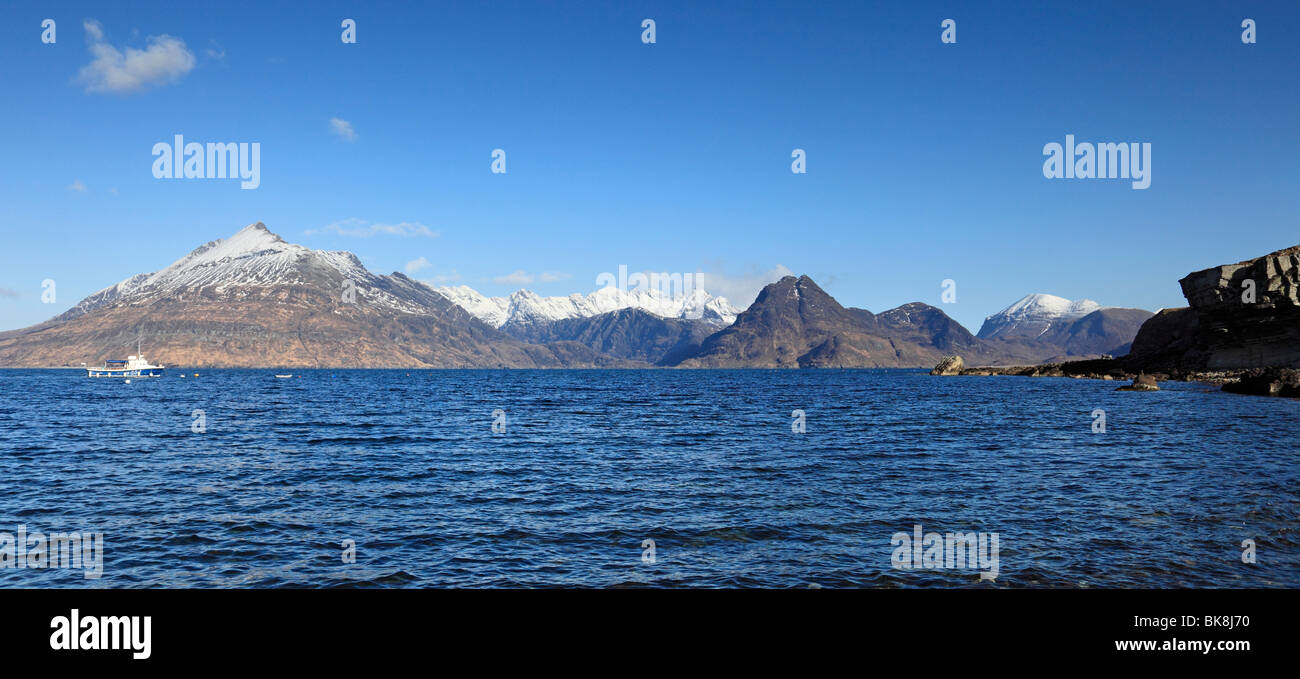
(525, 307)
(255, 300)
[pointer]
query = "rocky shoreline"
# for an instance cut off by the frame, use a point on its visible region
(1241, 332)
(1094, 369)
(1283, 382)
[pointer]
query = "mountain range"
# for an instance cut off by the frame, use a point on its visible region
(525, 307)
(255, 300)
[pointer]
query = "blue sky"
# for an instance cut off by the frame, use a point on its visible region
(924, 160)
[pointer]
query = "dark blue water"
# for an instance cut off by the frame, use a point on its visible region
(594, 462)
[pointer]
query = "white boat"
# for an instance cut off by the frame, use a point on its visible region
(132, 366)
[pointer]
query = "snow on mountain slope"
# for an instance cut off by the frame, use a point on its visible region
(1034, 315)
(491, 310)
(252, 258)
(524, 306)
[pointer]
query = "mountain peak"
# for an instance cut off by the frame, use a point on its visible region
(254, 237)
(524, 307)
(253, 258)
(1033, 315)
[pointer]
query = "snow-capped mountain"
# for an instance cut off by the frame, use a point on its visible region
(525, 307)
(254, 300)
(253, 258)
(1034, 315)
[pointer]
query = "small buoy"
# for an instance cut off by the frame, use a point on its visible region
(196, 374)
(128, 381)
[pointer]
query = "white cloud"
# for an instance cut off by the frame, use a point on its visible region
(417, 264)
(77, 186)
(343, 129)
(8, 294)
(441, 279)
(360, 228)
(165, 60)
(742, 289)
(216, 52)
(519, 277)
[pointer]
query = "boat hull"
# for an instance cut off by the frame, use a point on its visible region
(124, 372)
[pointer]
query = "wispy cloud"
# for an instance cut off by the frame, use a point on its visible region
(165, 60)
(216, 52)
(740, 290)
(77, 186)
(360, 228)
(441, 279)
(8, 294)
(343, 129)
(519, 277)
(417, 264)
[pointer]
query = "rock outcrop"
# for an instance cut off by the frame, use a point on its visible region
(1241, 316)
(1141, 383)
(1267, 382)
(1238, 329)
(951, 365)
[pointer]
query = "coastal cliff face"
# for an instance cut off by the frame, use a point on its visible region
(1165, 343)
(1243, 315)
(1242, 330)
(1234, 331)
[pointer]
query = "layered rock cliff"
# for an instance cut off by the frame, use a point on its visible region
(1243, 315)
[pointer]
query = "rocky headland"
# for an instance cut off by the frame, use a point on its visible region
(1240, 330)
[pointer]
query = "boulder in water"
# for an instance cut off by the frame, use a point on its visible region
(951, 365)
